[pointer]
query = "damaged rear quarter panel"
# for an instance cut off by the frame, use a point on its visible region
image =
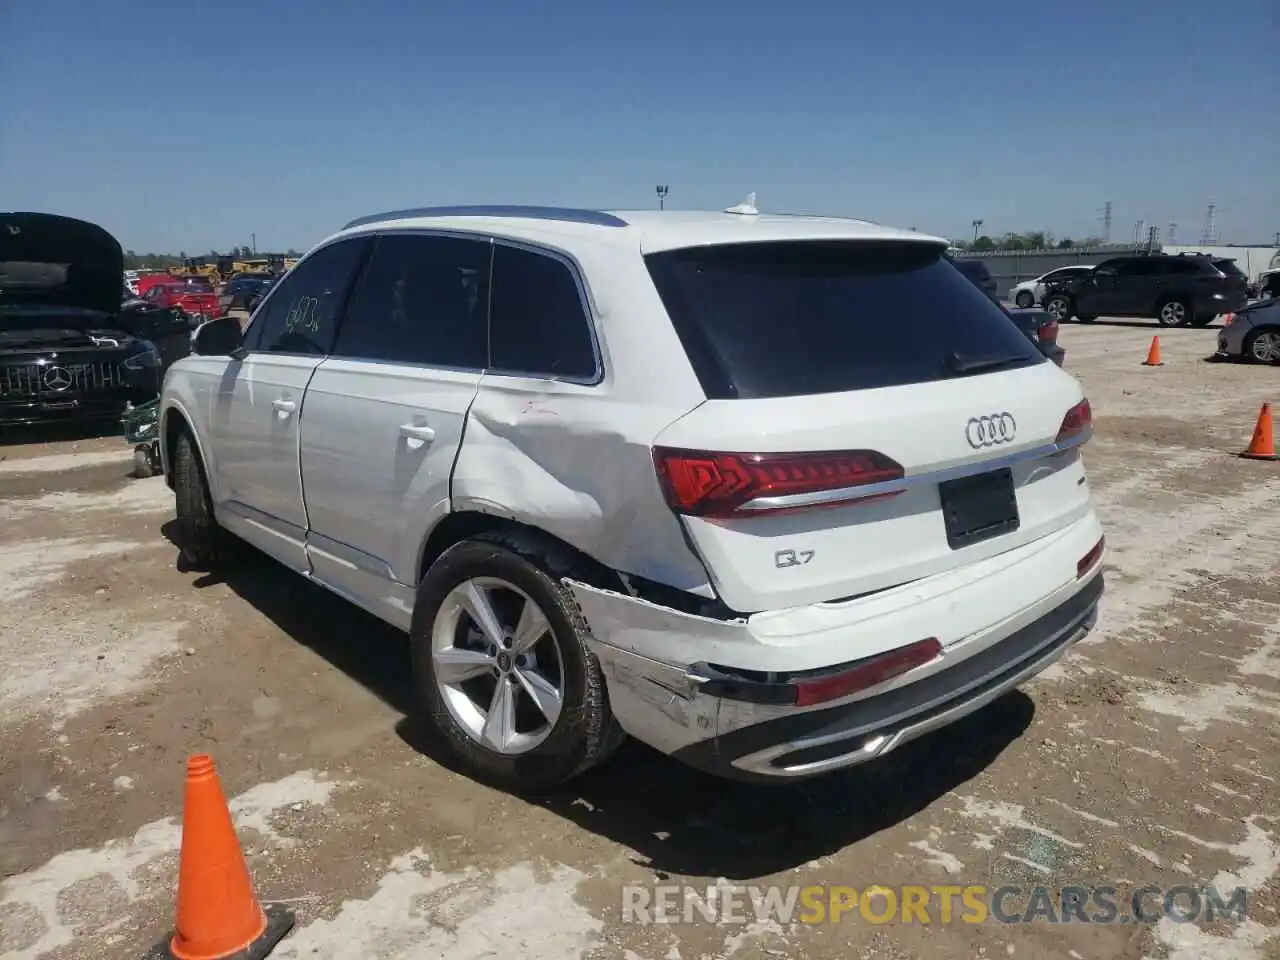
(575, 461)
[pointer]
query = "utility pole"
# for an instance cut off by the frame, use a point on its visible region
(663, 189)
(254, 238)
(977, 225)
(1173, 232)
(1210, 235)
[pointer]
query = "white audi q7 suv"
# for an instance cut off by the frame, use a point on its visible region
(772, 494)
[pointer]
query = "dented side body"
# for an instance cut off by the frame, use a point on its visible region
(575, 460)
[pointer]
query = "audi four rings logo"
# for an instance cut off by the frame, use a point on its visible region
(57, 378)
(990, 431)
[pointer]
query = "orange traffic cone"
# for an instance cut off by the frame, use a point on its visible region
(1263, 444)
(1153, 355)
(219, 918)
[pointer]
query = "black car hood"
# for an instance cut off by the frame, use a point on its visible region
(54, 261)
(28, 327)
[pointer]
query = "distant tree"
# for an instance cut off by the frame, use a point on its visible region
(983, 243)
(291, 253)
(1066, 243)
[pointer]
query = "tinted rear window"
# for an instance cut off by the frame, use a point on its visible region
(1229, 268)
(805, 317)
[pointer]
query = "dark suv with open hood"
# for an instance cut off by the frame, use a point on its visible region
(69, 348)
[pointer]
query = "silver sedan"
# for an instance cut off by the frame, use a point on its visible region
(1254, 334)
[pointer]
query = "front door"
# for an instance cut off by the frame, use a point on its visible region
(258, 402)
(385, 411)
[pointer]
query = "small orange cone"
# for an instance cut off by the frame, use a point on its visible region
(1263, 444)
(1153, 355)
(219, 918)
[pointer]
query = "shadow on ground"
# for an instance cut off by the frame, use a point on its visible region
(685, 823)
(67, 432)
(679, 821)
(1152, 325)
(367, 650)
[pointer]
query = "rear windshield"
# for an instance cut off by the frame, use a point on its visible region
(791, 318)
(1229, 268)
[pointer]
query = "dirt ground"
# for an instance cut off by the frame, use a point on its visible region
(1149, 756)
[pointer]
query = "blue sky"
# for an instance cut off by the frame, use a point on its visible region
(190, 126)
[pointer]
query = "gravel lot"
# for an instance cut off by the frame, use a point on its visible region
(1150, 756)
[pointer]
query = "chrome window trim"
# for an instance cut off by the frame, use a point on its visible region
(1043, 452)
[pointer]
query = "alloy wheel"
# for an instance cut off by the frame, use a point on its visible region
(497, 665)
(1266, 347)
(1173, 313)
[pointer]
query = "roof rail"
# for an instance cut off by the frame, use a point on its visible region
(565, 214)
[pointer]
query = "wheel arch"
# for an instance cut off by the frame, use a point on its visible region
(462, 525)
(174, 421)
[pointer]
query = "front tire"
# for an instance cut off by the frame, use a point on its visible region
(1059, 307)
(203, 542)
(502, 667)
(1024, 299)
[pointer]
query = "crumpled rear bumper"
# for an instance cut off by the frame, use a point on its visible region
(989, 648)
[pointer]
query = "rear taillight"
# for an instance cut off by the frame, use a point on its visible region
(1090, 559)
(866, 674)
(704, 484)
(1049, 332)
(1227, 318)
(1079, 420)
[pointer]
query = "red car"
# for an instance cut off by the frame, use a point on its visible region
(191, 296)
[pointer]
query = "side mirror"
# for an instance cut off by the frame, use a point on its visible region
(220, 337)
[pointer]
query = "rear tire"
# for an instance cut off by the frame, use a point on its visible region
(510, 570)
(203, 542)
(1173, 313)
(1263, 346)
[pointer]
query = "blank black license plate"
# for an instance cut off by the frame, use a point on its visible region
(978, 508)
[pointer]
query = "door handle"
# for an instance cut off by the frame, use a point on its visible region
(284, 406)
(417, 431)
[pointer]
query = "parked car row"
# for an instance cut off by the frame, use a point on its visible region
(1175, 290)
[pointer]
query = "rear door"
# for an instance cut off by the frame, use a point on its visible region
(384, 414)
(833, 367)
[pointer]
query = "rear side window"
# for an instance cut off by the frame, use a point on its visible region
(1229, 268)
(421, 300)
(538, 324)
(805, 317)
